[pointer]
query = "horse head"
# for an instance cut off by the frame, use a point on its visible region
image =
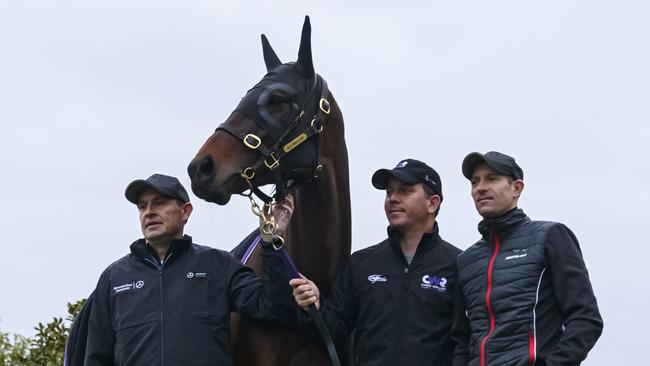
(268, 137)
(286, 130)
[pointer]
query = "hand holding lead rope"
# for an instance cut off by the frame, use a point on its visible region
(274, 219)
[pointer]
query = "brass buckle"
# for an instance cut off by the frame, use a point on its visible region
(316, 130)
(324, 105)
(274, 164)
(256, 141)
(248, 173)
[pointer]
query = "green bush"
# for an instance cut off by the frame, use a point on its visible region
(47, 348)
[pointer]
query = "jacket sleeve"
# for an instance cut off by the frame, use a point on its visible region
(581, 318)
(339, 310)
(75, 346)
(101, 337)
(269, 299)
(459, 329)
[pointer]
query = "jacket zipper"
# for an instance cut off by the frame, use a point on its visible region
(531, 348)
(162, 308)
(488, 303)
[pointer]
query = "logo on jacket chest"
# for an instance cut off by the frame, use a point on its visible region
(434, 283)
(377, 278)
(129, 286)
(191, 275)
(517, 253)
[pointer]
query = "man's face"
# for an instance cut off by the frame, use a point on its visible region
(493, 193)
(407, 205)
(161, 217)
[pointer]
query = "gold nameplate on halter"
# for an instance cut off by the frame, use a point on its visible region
(256, 141)
(324, 105)
(295, 142)
(274, 164)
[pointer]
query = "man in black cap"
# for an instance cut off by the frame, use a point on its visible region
(169, 300)
(401, 294)
(525, 285)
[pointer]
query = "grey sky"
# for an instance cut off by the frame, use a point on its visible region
(94, 95)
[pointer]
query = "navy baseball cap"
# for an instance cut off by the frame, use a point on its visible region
(169, 186)
(501, 163)
(409, 171)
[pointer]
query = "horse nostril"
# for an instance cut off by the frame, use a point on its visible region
(206, 167)
(201, 169)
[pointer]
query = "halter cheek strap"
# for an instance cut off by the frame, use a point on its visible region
(272, 154)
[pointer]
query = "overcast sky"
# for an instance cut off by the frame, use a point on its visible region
(94, 95)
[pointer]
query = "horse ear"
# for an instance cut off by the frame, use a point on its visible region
(305, 65)
(270, 58)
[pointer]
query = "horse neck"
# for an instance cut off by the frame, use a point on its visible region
(319, 239)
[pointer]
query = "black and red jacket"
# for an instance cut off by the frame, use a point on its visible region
(527, 293)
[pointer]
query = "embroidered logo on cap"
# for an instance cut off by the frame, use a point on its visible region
(401, 164)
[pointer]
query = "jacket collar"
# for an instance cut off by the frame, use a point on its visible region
(428, 241)
(503, 225)
(141, 250)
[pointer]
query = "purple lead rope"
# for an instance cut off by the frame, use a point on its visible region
(320, 324)
(287, 260)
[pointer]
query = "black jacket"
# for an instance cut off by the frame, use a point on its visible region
(528, 295)
(403, 314)
(178, 312)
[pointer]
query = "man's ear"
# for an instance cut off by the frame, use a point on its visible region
(187, 211)
(434, 203)
(518, 187)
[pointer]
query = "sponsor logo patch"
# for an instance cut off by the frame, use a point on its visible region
(377, 278)
(434, 283)
(196, 274)
(518, 253)
(128, 286)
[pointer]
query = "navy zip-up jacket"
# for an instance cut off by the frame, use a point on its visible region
(403, 314)
(178, 312)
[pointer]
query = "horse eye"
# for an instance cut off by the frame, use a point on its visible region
(278, 99)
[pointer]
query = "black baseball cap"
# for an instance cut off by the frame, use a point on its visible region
(169, 186)
(501, 163)
(409, 171)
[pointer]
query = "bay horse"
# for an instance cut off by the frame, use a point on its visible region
(288, 131)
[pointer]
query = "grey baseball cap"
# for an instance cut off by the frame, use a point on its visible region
(169, 186)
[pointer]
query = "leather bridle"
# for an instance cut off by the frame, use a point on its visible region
(271, 151)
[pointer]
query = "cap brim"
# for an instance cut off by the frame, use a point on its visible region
(381, 177)
(470, 162)
(133, 190)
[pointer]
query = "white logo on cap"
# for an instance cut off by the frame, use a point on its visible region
(401, 164)
(426, 177)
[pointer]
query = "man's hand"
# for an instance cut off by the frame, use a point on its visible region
(305, 292)
(282, 212)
